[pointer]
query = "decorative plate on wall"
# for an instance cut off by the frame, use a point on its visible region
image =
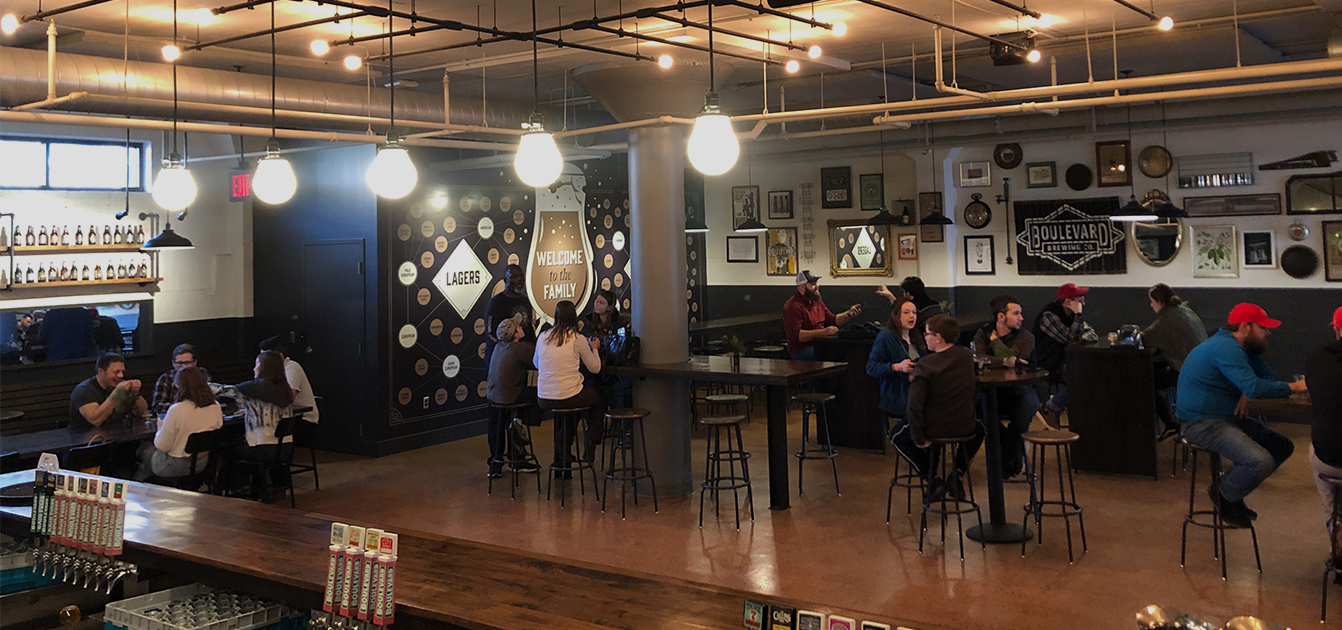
(1079, 177)
(1007, 155)
(977, 213)
(1300, 261)
(1155, 161)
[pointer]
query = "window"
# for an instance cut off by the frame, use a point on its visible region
(70, 164)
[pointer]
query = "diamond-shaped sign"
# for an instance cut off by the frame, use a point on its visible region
(1070, 237)
(462, 279)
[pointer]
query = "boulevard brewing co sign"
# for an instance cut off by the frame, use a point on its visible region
(559, 266)
(1069, 237)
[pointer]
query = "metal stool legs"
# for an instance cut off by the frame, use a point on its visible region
(822, 451)
(908, 480)
(714, 479)
(944, 467)
(1217, 525)
(574, 465)
(1066, 503)
(512, 459)
(1330, 566)
(621, 434)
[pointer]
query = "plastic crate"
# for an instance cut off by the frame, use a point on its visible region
(134, 613)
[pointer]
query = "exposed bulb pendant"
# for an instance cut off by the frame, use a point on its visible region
(392, 175)
(713, 147)
(538, 162)
(174, 187)
(274, 182)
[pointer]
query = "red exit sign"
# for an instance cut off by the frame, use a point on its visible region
(239, 185)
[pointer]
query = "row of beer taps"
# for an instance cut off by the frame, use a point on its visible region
(81, 568)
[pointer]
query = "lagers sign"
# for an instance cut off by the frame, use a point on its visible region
(1069, 237)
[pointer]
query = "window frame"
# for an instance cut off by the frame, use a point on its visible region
(139, 148)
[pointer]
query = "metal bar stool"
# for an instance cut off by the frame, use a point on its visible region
(951, 499)
(518, 454)
(1331, 566)
(714, 479)
(1217, 524)
(907, 480)
(576, 465)
(728, 404)
(621, 428)
(1061, 442)
(813, 405)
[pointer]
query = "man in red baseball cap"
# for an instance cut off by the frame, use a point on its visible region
(1058, 325)
(1324, 369)
(1218, 378)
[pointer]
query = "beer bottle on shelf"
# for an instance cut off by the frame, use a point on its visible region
(65, 272)
(51, 272)
(18, 276)
(117, 236)
(42, 236)
(93, 235)
(121, 271)
(18, 236)
(84, 274)
(139, 234)
(65, 235)
(144, 269)
(29, 277)
(31, 240)
(79, 235)
(107, 235)
(41, 273)
(97, 272)
(4, 278)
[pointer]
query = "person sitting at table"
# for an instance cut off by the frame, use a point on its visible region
(195, 411)
(508, 303)
(891, 361)
(265, 400)
(560, 353)
(1323, 368)
(941, 405)
(165, 388)
(1005, 343)
(106, 396)
(297, 378)
(1176, 331)
(912, 288)
(806, 318)
(604, 320)
(507, 385)
(1058, 325)
(1218, 378)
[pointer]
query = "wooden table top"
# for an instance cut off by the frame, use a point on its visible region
(709, 325)
(61, 440)
(1294, 402)
(440, 579)
(1002, 377)
(751, 371)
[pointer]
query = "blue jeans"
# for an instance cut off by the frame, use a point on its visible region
(1016, 405)
(1059, 400)
(1255, 451)
(807, 354)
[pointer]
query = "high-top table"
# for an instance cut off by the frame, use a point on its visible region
(62, 440)
(997, 529)
(776, 375)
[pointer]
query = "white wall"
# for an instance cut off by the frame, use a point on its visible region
(941, 264)
(213, 280)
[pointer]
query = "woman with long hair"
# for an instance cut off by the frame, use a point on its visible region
(265, 400)
(605, 315)
(194, 411)
(1176, 331)
(892, 357)
(561, 352)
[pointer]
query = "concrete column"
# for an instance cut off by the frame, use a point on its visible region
(657, 252)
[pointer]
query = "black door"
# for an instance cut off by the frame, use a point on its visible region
(333, 324)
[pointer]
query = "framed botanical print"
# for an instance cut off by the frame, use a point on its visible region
(871, 187)
(743, 249)
(1214, 254)
(908, 246)
(781, 252)
(980, 260)
(836, 187)
(780, 205)
(745, 204)
(1041, 175)
(1113, 163)
(1259, 248)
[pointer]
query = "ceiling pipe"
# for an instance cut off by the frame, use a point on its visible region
(250, 4)
(940, 83)
(558, 43)
(282, 29)
(764, 10)
(1151, 16)
(1017, 8)
(987, 38)
(42, 15)
(670, 42)
(763, 40)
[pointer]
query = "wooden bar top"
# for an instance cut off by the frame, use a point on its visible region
(440, 581)
(751, 371)
(709, 325)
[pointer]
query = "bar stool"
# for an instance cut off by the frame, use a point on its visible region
(575, 464)
(1217, 525)
(943, 466)
(813, 404)
(515, 454)
(907, 480)
(728, 404)
(1061, 442)
(714, 480)
(622, 425)
(1330, 566)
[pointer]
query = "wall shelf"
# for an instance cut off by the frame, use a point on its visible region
(37, 250)
(85, 283)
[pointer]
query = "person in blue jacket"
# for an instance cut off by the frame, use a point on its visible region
(1218, 378)
(892, 357)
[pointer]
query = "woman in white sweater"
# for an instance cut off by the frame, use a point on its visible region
(560, 353)
(195, 411)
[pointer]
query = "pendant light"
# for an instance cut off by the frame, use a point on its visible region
(174, 188)
(274, 182)
(1133, 210)
(167, 239)
(884, 217)
(392, 175)
(713, 148)
(538, 162)
(939, 217)
(752, 224)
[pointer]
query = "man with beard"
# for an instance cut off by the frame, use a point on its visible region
(1005, 343)
(1218, 378)
(512, 301)
(806, 318)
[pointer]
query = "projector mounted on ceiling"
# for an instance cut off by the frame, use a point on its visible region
(1015, 55)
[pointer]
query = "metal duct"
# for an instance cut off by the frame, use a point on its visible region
(148, 92)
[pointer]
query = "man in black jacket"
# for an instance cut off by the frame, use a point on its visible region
(1058, 325)
(1323, 371)
(1005, 343)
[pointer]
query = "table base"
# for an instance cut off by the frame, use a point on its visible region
(999, 534)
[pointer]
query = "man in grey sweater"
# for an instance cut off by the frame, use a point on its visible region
(508, 375)
(941, 405)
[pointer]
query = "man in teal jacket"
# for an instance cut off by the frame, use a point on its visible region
(1219, 377)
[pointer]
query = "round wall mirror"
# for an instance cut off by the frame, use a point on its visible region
(1157, 243)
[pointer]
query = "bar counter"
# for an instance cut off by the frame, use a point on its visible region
(280, 553)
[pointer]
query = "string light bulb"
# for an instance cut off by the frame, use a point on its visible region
(665, 61)
(392, 175)
(1034, 55)
(792, 66)
(319, 47)
(202, 16)
(171, 53)
(1166, 23)
(813, 52)
(174, 187)
(9, 24)
(538, 162)
(713, 147)
(353, 62)
(274, 182)
(840, 29)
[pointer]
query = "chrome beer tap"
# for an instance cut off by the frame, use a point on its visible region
(122, 570)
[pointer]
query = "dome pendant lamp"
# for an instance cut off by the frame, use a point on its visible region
(713, 148)
(174, 188)
(538, 162)
(274, 182)
(392, 175)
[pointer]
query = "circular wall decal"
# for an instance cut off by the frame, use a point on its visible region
(600, 241)
(626, 303)
(485, 227)
(449, 225)
(509, 236)
(464, 204)
(519, 217)
(481, 351)
(440, 396)
(618, 241)
(609, 261)
(482, 389)
(422, 297)
(493, 255)
(627, 222)
(403, 396)
(480, 326)
(407, 273)
(607, 221)
(426, 260)
(461, 393)
(485, 204)
(426, 229)
(421, 367)
(451, 366)
(505, 203)
(513, 259)
(408, 336)
(605, 284)
(456, 335)
(619, 280)
(417, 209)
(1007, 155)
(1079, 177)
(440, 244)
(403, 232)
(1300, 261)
(436, 327)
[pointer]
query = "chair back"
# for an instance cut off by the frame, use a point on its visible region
(286, 427)
(203, 441)
(88, 459)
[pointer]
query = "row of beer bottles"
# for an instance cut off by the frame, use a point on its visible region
(127, 235)
(72, 272)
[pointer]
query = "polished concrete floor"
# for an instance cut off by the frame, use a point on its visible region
(839, 549)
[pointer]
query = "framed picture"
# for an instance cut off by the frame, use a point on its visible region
(1041, 175)
(1214, 254)
(1259, 249)
(745, 204)
(930, 203)
(1233, 205)
(780, 204)
(781, 251)
(1314, 194)
(908, 247)
(975, 174)
(743, 249)
(836, 187)
(871, 187)
(980, 259)
(858, 249)
(1332, 251)
(1113, 163)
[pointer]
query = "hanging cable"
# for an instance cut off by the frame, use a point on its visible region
(273, 70)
